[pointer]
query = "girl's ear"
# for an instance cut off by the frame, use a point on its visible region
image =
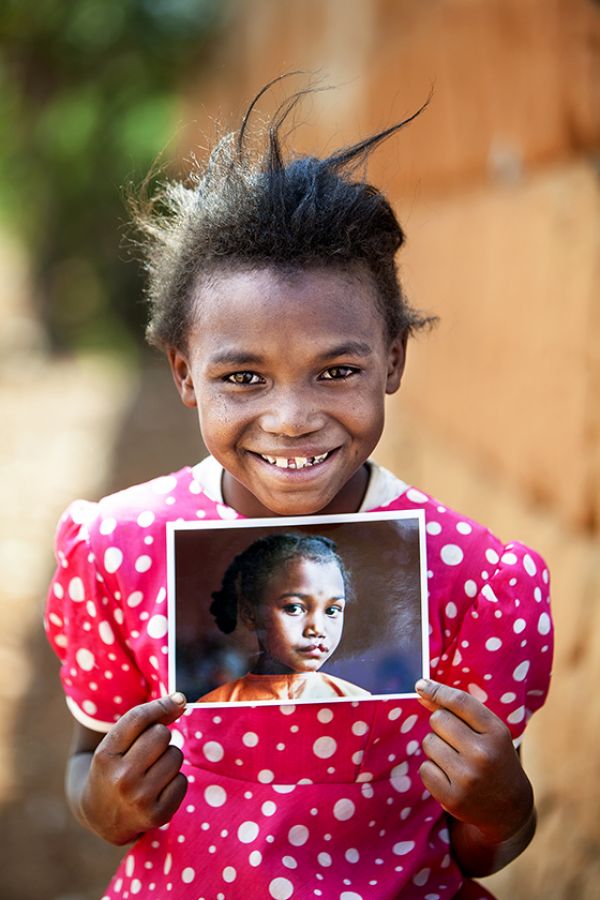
(246, 614)
(182, 376)
(396, 361)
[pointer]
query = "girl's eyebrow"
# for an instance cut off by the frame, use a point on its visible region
(243, 358)
(234, 358)
(305, 596)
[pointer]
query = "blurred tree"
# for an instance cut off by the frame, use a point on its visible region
(88, 98)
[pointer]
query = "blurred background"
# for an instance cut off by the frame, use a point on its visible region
(497, 185)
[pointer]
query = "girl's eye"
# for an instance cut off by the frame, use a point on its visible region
(293, 609)
(334, 611)
(242, 378)
(337, 373)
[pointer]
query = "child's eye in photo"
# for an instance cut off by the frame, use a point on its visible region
(243, 378)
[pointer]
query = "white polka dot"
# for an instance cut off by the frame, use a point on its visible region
(287, 709)
(265, 776)
(268, 808)
(493, 644)
(143, 563)
(157, 626)
(213, 751)
(164, 485)
(145, 518)
(517, 716)
(324, 747)
(343, 809)
(177, 739)
(487, 592)
(284, 788)
(325, 716)
(248, 832)
(399, 778)
(281, 889)
(509, 558)
(85, 659)
(491, 556)
(324, 859)
(451, 554)
(106, 633)
(529, 565)
(113, 557)
(135, 598)
(422, 877)
(229, 874)
(519, 626)
(520, 673)
(89, 707)
(352, 855)
(416, 496)
(136, 886)
(58, 590)
(433, 528)
(108, 525)
(394, 713)
(250, 739)
(350, 895)
(289, 862)
(367, 790)
(225, 512)
(403, 847)
(255, 858)
(215, 795)
(470, 588)
(509, 697)
(188, 875)
(451, 610)
(298, 835)
(360, 728)
(168, 863)
(477, 692)
(76, 591)
(544, 623)
(408, 724)
(463, 528)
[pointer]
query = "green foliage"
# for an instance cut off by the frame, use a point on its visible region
(88, 98)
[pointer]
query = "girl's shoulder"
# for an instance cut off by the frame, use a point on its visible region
(143, 508)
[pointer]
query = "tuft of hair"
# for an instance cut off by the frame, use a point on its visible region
(248, 573)
(250, 207)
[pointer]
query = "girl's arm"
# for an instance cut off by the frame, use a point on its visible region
(475, 773)
(127, 781)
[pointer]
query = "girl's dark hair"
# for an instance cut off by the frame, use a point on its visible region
(251, 208)
(248, 573)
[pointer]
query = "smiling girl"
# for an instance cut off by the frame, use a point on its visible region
(291, 591)
(274, 293)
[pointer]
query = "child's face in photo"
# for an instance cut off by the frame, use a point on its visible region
(289, 374)
(300, 619)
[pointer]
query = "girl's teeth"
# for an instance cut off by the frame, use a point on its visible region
(295, 462)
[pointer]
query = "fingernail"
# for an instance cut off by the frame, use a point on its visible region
(423, 686)
(179, 698)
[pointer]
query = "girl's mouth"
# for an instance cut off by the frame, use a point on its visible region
(295, 462)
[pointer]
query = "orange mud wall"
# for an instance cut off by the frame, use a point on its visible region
(497, 185)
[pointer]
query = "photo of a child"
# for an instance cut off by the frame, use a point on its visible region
(292, 591)
(293, 610)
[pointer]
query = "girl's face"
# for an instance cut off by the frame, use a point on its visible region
(300, 619)
(289, 374)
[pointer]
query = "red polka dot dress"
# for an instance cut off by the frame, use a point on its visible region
(294, 801)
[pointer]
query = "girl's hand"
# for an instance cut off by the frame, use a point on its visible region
(475, 773)
(131, 782)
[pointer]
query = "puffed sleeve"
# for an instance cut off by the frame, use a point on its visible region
(84, 625)
(501, 640)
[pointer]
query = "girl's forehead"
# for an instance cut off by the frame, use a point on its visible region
(246, 301)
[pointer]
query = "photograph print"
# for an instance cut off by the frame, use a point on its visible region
(303, 609)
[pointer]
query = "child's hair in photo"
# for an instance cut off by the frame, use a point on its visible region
(251, 206)
(248, 573)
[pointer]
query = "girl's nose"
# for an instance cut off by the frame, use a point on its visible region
(315, 627)
(292, 413)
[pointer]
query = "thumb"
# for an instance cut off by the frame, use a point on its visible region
(136, 720)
